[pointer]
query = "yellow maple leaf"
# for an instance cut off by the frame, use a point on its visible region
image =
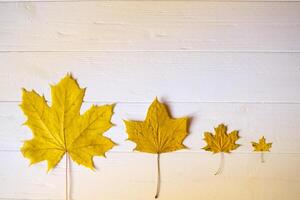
(261, 145)
(159, 133)
(60, 129)
(221, 142)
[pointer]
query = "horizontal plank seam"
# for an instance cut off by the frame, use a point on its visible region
(141, 50)
(179, 102)
(182, 152)
(9, 198)
(239, 1)
(26, 199)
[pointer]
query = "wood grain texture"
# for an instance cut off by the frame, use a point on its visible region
(277, 122)
(236, 62)
(284, 1)
(175, 76)
(131, 176)
(150, 25)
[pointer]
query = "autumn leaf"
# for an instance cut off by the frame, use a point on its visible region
(221, 142)
(262, 146)
(158, 133)
(60, 129)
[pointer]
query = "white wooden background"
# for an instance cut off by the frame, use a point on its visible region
(236, 62)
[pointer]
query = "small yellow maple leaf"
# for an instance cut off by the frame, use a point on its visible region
(60, 129)
(159, 133)
(261, 145)
(221, 141)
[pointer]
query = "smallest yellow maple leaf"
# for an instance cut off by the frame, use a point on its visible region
(261, 145)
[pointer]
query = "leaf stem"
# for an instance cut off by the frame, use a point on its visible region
(67, 176)
(262, 160)
(158, 177)
(221, 166)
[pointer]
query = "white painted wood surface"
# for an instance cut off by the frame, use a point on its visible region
(150, 25)
(236, 62)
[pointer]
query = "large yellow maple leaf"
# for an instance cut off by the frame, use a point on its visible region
(60, 129)
(158, 133)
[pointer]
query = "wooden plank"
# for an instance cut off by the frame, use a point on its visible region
(140, 76)
(12, 1)
(132, 176)
(148, 25)
(279, 123)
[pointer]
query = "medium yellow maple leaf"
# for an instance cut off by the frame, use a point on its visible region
(221, 141)
(261, 145)
(158, 133)
(60, 129)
